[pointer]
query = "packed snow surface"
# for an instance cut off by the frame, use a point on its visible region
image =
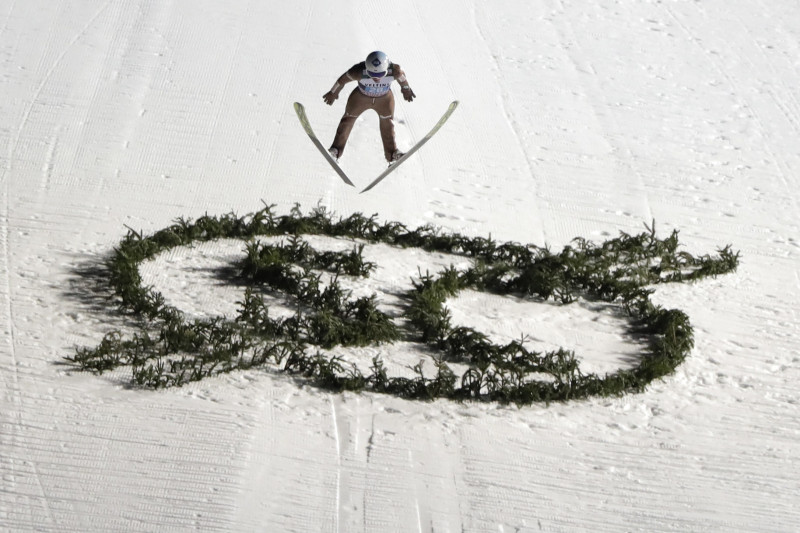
(577, 119)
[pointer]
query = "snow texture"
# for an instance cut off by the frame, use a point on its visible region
(576, 119)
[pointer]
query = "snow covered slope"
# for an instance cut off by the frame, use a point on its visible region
(576, 119)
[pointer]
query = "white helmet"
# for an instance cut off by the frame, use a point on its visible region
(377, 64)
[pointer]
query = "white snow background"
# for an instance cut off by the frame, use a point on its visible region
(577, 119)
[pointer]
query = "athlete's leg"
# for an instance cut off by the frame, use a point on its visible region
(385, 108)
(357, 103)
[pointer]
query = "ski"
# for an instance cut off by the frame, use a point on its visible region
(414, 148)
(301, 114)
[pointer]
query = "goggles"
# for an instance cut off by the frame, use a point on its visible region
(376, 74)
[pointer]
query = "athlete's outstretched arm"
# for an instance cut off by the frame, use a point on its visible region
(351, 75)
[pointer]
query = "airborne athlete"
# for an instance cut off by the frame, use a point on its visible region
(374, 77)
(373, 91)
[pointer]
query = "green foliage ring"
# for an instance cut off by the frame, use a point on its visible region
(170, 350)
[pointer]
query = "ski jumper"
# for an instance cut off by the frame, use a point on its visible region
(369, 94)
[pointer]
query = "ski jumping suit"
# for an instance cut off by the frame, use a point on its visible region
(370, 94)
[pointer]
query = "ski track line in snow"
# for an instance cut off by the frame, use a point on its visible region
(599, 96)
(45, 499)
(45, 79)
(422, 169)
(442, 156)
(223, 96)
(776, 76)
(513, 124)
(18, 400)
(25, 433)
(465, 184)
(712, 447)
(8, 17)
(8, 305)
(12, 152)
(792, 118)
(338, 445)
(443, 209)
(353, 501)
(783, 168)
(416, 494)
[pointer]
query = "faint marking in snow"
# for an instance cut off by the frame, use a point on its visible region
(8, 17)
(416, 494)
(784, 169)
(45, 79)
(12, 150)
(512, 122)
(338, 500)
(45, 500)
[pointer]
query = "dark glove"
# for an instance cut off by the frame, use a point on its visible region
(408, 94)
(330, 97)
